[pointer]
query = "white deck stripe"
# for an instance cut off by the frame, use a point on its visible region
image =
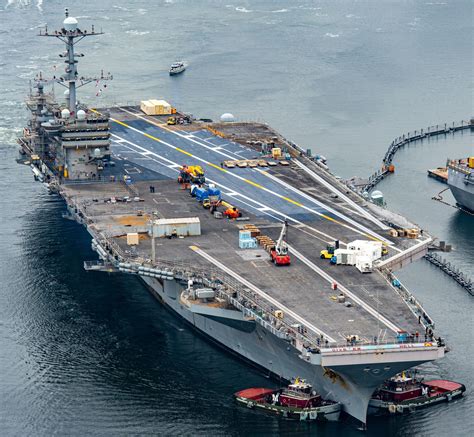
(261, 293)
(302, 258)
(261, 207)
(348, 293)
(361, 231)
(341, 195)
(327, 208)
(340, 215)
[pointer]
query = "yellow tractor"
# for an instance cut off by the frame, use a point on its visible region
(328, 253)
(171, 121)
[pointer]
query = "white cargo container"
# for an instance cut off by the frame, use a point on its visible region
(364, 264)
(345, 256)
(371, 249)
(133, 239)
(181, 227)
(147, 107)
(162, 107)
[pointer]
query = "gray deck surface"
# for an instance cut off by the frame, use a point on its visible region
(142, 150)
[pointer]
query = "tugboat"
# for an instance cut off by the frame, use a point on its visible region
(405, 393)
(177, 68)
(297, 401)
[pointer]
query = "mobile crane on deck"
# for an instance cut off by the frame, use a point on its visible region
(279, 254)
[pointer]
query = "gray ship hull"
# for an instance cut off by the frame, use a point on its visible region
(350, 384)
(462, 187)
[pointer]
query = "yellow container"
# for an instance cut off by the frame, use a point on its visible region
(470, 162)
(276, 153)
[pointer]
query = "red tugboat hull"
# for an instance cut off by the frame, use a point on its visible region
(438, 390)
(263, 399)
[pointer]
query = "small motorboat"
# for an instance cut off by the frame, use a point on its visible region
(177, 68)
(405, 393)
(297, 401)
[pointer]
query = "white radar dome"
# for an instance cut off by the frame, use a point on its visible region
(376, 194)
(97, 153)
(227, 117)
(70, 23)
(81, 114)
(65, 113)
(66, 93)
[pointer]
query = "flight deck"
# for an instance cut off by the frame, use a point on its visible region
(151, 153)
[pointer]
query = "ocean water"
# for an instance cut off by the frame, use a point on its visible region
(90, 354)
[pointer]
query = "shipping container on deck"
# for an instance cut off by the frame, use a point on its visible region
(176, 226)
(162, 107)
(147, 107)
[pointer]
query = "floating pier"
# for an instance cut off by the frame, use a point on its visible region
(451, 270)
(408, 138)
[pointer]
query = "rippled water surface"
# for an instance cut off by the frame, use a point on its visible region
(90, 354)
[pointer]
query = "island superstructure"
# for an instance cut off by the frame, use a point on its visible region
(343, 331)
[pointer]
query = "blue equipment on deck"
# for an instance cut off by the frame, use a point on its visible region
(200, 194)
(211, 193)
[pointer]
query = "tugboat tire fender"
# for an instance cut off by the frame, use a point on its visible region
(392, 408)
(399, 408)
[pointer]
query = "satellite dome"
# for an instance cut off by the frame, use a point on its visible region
(65, 113)
(377, 198)
(227, 117)
(97, 153)
(66, 93)
(81, 114)
(70, 23)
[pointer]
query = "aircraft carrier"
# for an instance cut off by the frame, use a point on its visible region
(344, 331)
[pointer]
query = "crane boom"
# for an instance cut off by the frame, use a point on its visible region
(281, 247)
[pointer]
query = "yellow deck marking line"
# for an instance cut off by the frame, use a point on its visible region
(328, 237)
(239, 177)
(164, 127)
(322, 205)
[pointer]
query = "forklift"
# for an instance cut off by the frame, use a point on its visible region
(328, 253)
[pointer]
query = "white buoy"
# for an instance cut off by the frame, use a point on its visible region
(227, 117)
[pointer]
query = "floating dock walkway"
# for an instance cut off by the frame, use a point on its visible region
(408, 138)
(452, 271)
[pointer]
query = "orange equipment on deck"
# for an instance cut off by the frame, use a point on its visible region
(232, 213)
